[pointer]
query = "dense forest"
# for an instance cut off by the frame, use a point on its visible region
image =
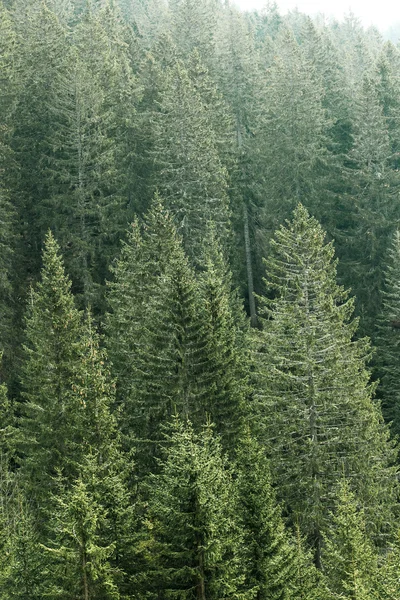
(200, 303)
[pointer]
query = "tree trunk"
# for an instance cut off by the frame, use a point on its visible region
(250, 284)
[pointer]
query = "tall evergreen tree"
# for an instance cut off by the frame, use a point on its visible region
(42, 57)
(274, 563)
(195, 547)
(190, 175)
(52, 351)
(79, 562)
(351, 562)
(240, 79)
(388, 339)
(157, 356)
(371, 210)
(312, 378)
(225, 368)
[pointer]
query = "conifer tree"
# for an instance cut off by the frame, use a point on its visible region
(313, 380)
(194, 25)
(239, 77)
(225, 335)
(26, 574)
(195, 547)
(275, 568)
(190, 176)
(8, 166)
(79, 562)
(157, 356)
(53, 327)
(370, 207)
(42, 59)
(86, 161)
(351, 562)
(388, 339)
(294, 129)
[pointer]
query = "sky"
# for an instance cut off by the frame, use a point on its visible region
(382, 13)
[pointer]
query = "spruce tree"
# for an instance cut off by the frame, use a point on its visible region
(294, 129)
(190, 176)
(27, 572)
(53, 327)
(312, 378)
(225, 370)
(369, 204)
(194, 543)
(275, 568)
(388, 339)
(79, 562)
(351, 562)
(158, 357)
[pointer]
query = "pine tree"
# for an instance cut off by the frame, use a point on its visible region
(158, 356)
(194, 25)
(79, 562)
(86, 159)
(190, 176)
(225, 335)
(52, 351)
(194, 548)
(388, 339)
(239, 77)
(294, 129)
(27, 572)
(8, 94)
(371, 210)
(312, 378)
(272, 554)
(43, 51)
(351, 562)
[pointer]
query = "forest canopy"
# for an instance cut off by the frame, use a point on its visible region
(199, 303)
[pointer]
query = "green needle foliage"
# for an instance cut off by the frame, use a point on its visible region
(79, 562)
(195, 549)
(316, 415)
(388, 339)
(225, 370)
(191, 176)
(351, 562)
(276, 570)
(52, 353)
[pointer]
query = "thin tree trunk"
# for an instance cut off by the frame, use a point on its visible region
(250, 283)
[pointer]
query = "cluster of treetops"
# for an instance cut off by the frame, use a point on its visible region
(191, 408)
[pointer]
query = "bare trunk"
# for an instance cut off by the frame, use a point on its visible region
(250, 283)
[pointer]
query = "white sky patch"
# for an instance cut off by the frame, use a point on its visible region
(383, 13)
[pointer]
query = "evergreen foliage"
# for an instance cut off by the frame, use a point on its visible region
(113, 484)
(52, 350)
(312, 378)
(195, 546)
(388, 342)
(276, 569)
(351, 563)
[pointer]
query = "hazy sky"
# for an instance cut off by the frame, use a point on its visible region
(381, 13)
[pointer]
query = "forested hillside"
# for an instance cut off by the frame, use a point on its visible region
(199, 302)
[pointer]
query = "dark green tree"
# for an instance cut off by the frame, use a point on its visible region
(351, 562)
(276, 569)
(225, 369)
(312, 378)
(52, 352)
(194, 544)
(78, 560)
(154, 331)
(388, 339)
(190, 175)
